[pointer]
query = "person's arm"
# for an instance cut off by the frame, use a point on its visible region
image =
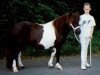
(92, 26)
(91, 33)
(80, 22)
(93, 22)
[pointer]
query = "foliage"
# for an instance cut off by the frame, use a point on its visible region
(44, 13)
(71, 46)
(96, 42)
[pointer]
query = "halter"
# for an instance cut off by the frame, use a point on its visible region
(74, 29)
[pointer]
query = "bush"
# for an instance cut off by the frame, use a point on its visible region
(71, 46)
(96, 42)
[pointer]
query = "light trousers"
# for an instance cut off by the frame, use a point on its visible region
(84, 48)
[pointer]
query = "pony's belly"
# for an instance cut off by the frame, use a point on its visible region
(48, 41)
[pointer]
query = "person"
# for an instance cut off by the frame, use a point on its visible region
(87, 23)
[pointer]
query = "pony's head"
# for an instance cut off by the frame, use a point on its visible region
(72, 19)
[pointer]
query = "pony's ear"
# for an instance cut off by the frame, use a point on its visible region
(70, 13)
(77, 12)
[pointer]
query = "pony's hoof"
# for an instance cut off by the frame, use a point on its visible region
(15, 70)
(58, 66)
(50, 65)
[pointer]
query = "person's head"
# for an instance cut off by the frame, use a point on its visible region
(87, 8)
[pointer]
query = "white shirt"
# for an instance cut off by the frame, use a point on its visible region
(86, 23)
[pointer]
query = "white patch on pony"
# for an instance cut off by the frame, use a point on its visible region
(50, 63)
(19, 60)
(14, 66)
(58, 66)
(49, 36)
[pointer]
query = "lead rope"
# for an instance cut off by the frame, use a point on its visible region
(74, 32)
(90, 54)
(80, 42)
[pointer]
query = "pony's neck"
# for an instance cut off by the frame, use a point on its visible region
(59, 24)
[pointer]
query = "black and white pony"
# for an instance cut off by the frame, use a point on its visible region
(52, 34)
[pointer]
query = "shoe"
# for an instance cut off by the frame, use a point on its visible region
(83, 67)
(87, 64)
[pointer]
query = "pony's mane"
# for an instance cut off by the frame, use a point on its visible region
(61, 21)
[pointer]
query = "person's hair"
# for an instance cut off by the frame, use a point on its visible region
(87, 4)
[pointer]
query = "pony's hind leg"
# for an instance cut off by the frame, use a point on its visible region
(15, 61)
(58, 66)
(20, 65)
(50, 63)
(14, 66)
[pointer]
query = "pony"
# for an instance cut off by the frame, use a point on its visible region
(43, 36)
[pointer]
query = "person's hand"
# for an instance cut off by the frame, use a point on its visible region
(84, 22)
(91, 37)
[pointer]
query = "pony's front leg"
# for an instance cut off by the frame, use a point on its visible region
(50, 63)
(14, 66)
(57, 60)
(20, 61)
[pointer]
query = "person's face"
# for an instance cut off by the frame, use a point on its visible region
(87, 9)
